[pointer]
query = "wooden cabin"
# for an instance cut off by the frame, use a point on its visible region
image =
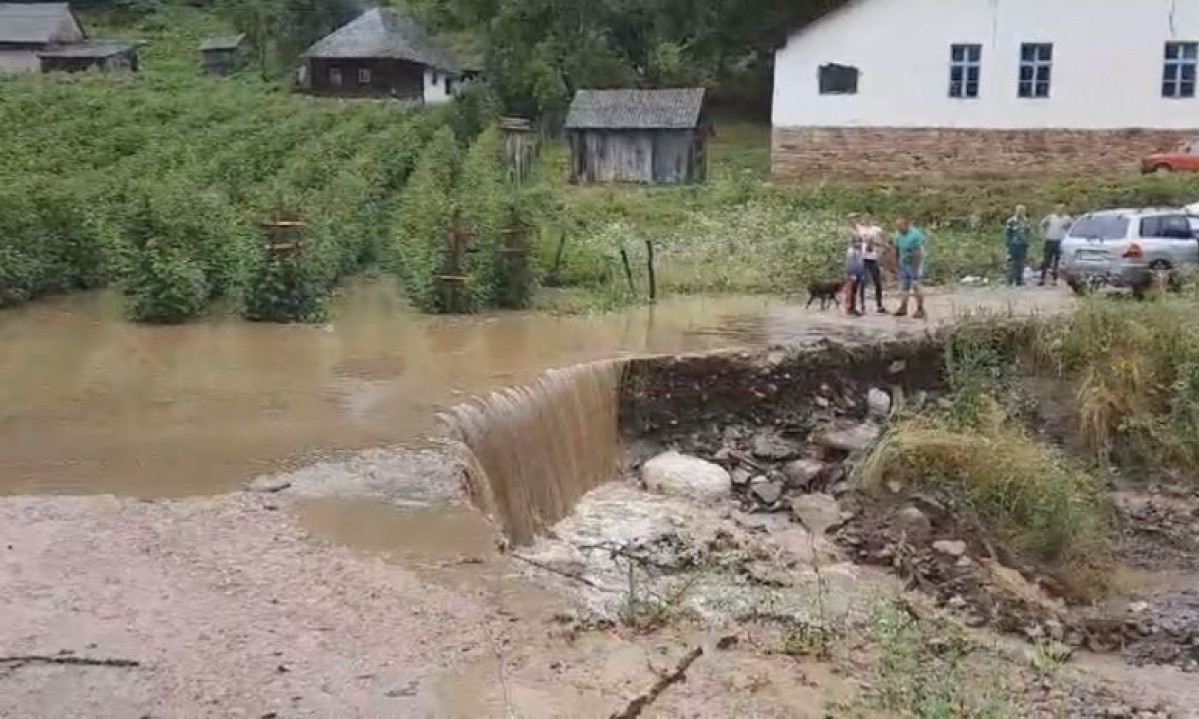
(382, 53)
(29, 28)
(106, 55)
(224, 55)
(640, 136)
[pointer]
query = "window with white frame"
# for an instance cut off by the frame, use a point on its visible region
(1178, 78)
(965, 69)
(1036, 69)
(335, 76)
(364, 76)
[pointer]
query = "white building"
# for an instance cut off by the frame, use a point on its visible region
(985, 87)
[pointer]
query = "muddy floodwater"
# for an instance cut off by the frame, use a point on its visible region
(91, 403)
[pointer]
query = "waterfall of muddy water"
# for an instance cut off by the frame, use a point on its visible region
(530, 452)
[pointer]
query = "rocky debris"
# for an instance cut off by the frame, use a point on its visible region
(950, 547)
(878, 405)
(677, 474)
(1164, 631)
(817, 512)
(770, 446)
(913, 524)
(803, 473)
(766, 491)
(852, 438)
(269, 485)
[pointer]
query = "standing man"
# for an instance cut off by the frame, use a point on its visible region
(1054, 228)
(1016, 232)
(867, 231)
(910, 254)
(855, 273)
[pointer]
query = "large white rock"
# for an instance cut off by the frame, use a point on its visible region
(677, 474)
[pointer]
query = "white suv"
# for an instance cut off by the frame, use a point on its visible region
(1122, 248)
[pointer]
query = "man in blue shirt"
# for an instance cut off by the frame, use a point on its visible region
(909, 252)
(1016, 232)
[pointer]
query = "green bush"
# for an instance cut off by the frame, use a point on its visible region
(426, 214)
(164, 285)
(286, 287)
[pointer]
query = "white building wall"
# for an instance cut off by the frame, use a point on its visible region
(435, 86)
(1107, 64)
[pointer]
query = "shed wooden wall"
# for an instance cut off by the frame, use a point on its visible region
(667, 157)
(225, 61)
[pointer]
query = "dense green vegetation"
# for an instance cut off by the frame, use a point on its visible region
(160, 185)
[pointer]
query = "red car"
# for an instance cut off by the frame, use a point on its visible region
(1183, 159)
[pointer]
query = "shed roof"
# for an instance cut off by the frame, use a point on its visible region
(33, 23)
(98, 49)
(227, 42)
(385, 33)
(677, 109)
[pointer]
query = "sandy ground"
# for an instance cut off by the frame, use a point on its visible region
(228, 611)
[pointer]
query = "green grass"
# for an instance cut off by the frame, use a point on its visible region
(928, 669)
(1135, 370)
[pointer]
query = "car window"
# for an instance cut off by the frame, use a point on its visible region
(1101, 227)
(1168, 227)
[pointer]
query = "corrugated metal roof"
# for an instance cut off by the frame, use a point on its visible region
(32, 23)
(636, 109)
(230, 42)
(91, 48)
(385, 33)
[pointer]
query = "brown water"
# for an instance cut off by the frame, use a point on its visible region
(91, 403)
(527, 485)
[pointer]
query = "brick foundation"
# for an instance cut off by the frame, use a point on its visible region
(891, 153)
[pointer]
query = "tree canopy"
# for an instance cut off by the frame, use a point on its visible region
(538, 52)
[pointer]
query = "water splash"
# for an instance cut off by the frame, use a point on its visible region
(530, 452)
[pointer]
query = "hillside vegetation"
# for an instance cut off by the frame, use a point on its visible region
(160, 183)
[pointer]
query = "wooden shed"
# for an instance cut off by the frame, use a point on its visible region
(107, 55)
(642, 136)
(224, 55)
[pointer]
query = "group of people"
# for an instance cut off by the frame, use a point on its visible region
(904, 254)
(906, 251)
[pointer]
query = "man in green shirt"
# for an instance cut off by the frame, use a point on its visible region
(1015, 236)
(909, 245)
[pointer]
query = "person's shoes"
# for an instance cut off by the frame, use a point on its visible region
(1041, 283)
(855, 313)
(919, 314)
(901, 312)
(882, 310)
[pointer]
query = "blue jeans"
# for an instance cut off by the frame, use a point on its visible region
(910, 275)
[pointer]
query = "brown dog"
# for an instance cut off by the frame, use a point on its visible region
(825, 292)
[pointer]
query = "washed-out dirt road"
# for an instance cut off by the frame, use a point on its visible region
(385, 604)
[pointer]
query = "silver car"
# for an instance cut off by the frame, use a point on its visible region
(1123, 248)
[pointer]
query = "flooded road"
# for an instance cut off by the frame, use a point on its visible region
(91, 403)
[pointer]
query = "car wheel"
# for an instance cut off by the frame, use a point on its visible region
(1079, 288)
(1162, 169)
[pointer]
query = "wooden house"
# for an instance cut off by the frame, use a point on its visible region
(641, 136)
(29, 28)
(106, 55)
(224, 55)
(382, 53)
